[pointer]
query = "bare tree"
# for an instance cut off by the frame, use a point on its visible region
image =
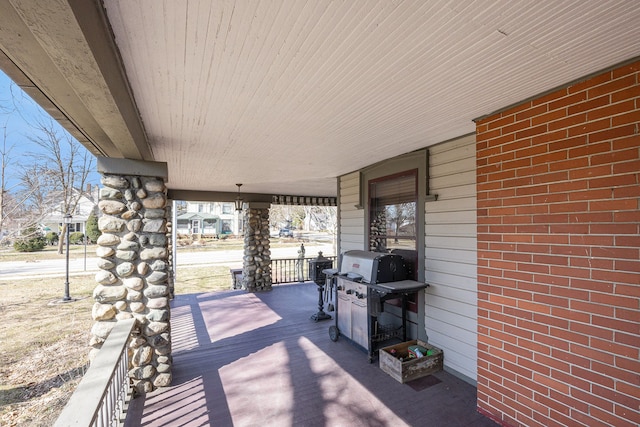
(400, 215)
(58, 173)
(277, 216)
(181, 207)
(4, 162)
(22, 209)
(54, 174)
(288, 215)
(325, 218)
(8, 204)
(33, 193)
(322, 217)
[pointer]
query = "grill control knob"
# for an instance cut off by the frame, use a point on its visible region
(349, 291)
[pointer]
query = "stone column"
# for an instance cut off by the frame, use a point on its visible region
(256, 269)
(170, 260)
(377, 231)
(134, 276)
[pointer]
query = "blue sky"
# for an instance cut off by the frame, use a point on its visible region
(17, 112)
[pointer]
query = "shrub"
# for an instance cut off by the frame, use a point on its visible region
(185, 242)
(93, 232)
(31, 245)
(76, 238)
(31, 241)
(51, 238)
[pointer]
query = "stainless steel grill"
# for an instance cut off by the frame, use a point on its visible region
(372, 267)
(364, 281)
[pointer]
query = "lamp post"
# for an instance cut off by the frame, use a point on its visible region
(67, 221)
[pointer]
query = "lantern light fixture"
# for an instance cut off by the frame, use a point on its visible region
(239, 201)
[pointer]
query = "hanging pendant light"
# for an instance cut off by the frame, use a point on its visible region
(239, 201)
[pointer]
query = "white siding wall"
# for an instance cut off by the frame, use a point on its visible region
(451, 255)
(351, 221)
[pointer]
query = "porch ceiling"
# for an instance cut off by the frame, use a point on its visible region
(285, 95)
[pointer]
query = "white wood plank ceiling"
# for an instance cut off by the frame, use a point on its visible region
(285, 95)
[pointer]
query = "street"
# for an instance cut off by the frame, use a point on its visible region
(233, 258)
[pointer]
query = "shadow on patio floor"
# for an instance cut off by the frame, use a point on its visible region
(244, 359)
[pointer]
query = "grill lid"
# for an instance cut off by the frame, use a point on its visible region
(372, 267)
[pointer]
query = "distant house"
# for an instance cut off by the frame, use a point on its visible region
(209, 218)
(54, 216)
(198, 223)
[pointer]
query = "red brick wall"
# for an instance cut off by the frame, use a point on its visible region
(558, 256)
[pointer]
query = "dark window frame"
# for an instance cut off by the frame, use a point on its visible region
(411, 255)
(373, 206)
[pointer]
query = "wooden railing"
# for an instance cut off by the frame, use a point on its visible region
(104, 392)
(290, 270)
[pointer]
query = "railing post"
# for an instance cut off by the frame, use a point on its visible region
(287, 270)
(300, 263)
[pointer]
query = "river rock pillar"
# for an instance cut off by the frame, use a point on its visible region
(134, 278)
(170, 259)
(256, 268)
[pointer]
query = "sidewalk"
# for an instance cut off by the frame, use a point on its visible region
(197, 258)
(46, 268)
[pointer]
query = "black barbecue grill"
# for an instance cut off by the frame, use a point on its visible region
(363, 283)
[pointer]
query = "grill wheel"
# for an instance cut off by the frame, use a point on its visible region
(334, 333)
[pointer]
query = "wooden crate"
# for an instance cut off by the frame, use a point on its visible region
(409, 369)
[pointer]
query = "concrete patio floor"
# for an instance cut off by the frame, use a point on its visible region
(244, 359)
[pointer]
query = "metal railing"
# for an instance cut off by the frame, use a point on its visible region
(291, 270)
(102, 397)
